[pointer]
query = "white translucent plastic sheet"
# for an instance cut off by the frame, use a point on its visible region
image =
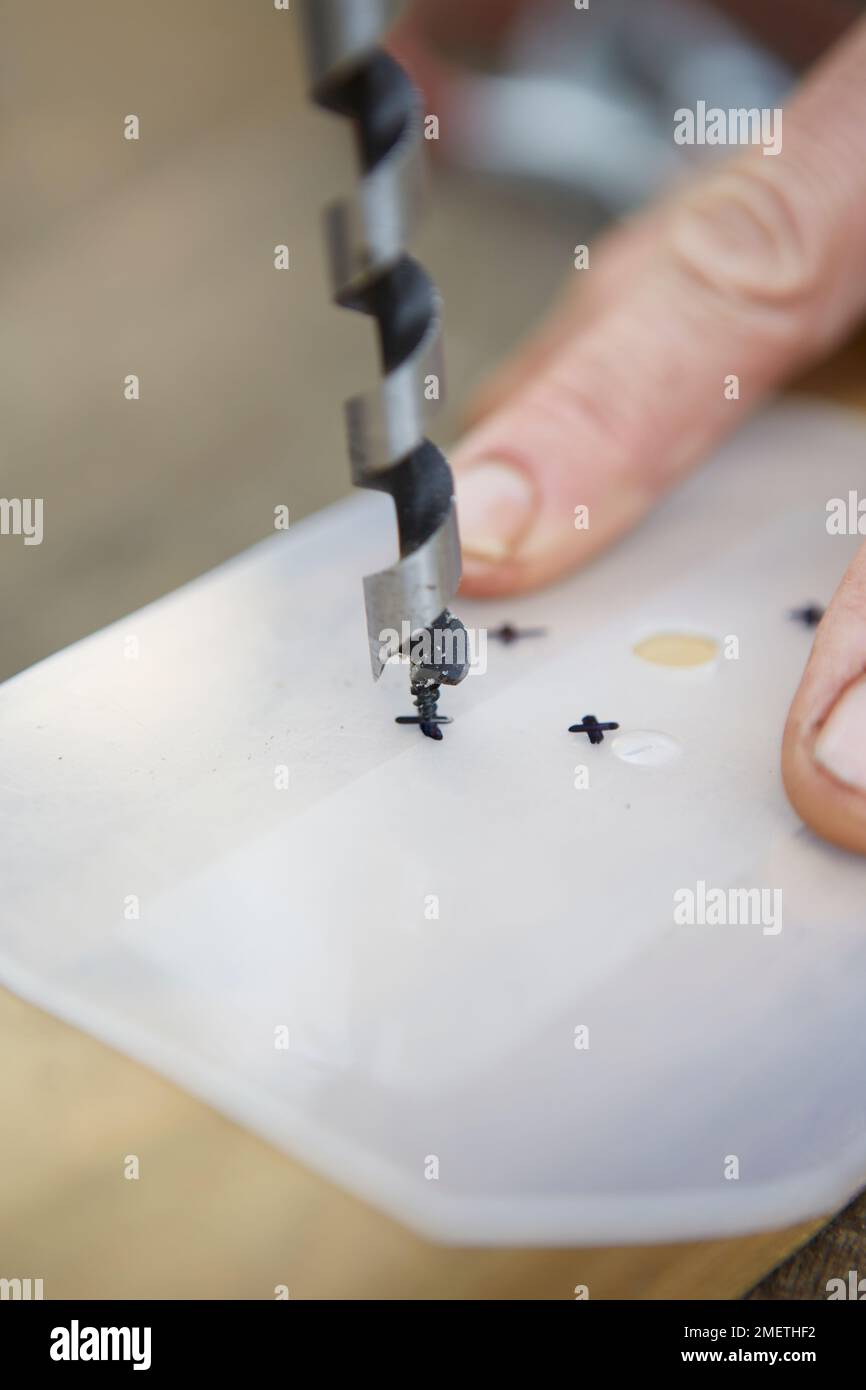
(153, 778)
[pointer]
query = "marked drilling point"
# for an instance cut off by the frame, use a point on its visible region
(590, 726)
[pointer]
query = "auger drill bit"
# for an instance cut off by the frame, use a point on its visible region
(371, 272)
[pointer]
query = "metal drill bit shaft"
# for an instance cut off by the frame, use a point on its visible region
(373, 274)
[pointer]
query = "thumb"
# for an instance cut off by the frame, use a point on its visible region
(824, 742)
(753, 274)
(824, 748)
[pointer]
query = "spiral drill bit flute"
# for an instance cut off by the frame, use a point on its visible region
(407, 605)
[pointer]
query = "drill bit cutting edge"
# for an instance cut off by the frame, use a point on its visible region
(372, 273)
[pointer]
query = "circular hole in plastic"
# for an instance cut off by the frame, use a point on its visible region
(646, 748)
(678, 650)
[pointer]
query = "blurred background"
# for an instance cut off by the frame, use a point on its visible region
(155, 256)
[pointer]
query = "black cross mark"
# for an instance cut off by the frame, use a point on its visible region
(811, 615)
(591, 727)
(507, 633)
(429, 724)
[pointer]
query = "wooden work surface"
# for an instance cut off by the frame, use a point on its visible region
(155, 259)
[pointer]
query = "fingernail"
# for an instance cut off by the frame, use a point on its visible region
(841, 745)
(496, 503)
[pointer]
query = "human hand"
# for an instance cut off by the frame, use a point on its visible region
(758, 270)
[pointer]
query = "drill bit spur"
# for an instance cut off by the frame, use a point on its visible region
(407, 605)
